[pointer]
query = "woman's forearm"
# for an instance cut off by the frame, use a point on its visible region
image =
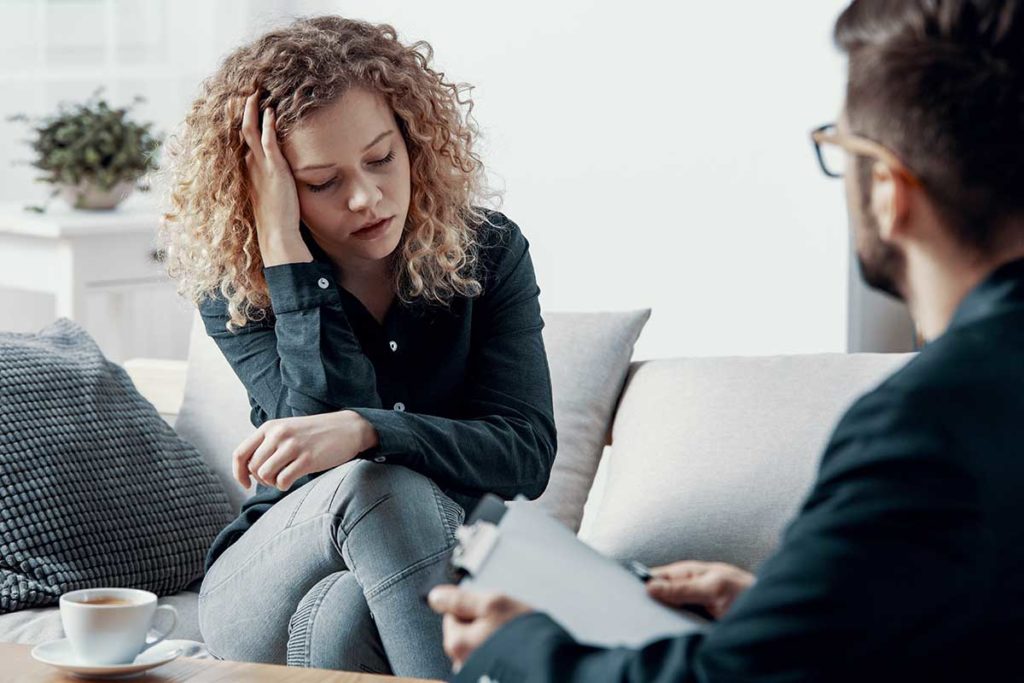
(308, 361)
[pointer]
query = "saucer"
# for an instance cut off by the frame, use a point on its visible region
(58, 653)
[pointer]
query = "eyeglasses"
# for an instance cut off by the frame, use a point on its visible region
(834, 149)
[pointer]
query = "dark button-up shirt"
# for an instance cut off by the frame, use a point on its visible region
(905, 563)
(460, 393)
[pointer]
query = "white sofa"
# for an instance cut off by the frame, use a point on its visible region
(708, 457)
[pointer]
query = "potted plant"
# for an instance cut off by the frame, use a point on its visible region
(92, 154)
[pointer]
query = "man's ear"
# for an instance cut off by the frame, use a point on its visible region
(890, 202)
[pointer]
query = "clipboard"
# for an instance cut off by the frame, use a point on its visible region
(518, 550)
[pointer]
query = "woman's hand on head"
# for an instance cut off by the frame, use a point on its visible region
(273, 192)
(281, 451)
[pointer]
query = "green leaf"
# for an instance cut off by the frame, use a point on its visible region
(85, 138)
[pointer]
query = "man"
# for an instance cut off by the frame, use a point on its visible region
(906, 562)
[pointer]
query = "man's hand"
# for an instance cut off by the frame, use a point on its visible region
(713, 585)
(471, 618)
(281, 451)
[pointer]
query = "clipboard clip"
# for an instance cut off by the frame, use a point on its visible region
(475, 540)
(475, 543)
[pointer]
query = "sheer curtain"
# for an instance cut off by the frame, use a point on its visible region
(54, 51)
(63, 50)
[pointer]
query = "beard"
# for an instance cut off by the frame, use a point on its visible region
(881, 265)
(878, 271)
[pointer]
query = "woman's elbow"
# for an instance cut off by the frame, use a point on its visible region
(545, 445)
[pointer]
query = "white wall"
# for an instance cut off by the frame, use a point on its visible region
(656, 155)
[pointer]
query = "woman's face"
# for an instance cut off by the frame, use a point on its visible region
(351, 169)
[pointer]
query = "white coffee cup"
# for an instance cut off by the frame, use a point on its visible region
(111, 625)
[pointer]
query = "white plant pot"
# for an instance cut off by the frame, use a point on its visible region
(87, 196)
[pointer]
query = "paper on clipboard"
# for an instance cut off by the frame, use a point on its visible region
(533, 558)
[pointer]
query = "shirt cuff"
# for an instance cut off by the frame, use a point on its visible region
(395, 440)
(299, 286)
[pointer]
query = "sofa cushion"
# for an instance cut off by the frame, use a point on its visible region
(214, 414)
(589, 355)
(711, 457)
(38, 625)
(97, 490)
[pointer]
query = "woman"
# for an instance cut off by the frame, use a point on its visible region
(387, 331)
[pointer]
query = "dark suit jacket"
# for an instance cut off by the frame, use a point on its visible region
(906, 562)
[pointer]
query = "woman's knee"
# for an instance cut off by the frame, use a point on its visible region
(373, 480)
(332, 628)
(399, 498)
(223, 636)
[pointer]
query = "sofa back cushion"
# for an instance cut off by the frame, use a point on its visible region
(589, 355)
(711, 457)
(214, 414)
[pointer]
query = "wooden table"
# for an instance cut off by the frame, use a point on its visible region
(17, 666)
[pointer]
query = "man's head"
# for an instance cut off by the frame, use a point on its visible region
(939, 83)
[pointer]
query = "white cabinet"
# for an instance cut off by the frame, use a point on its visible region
(98, 268)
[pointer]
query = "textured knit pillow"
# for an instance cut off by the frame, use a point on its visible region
(95, 488)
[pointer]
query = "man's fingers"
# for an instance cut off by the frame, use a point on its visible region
(462, 638)
(676, 592)
(455, 601)
(463, 604)
(682, 570)
(455, 645)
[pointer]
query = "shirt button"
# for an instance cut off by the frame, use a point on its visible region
(393, 345)
(323, 283)
(379, 458)
(400, 407)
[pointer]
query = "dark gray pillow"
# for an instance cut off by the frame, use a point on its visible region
(95, 488)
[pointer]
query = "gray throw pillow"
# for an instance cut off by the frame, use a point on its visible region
(589, 356)
(95, 488)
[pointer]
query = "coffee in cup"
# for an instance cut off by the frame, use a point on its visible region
(105, 600)
(110, 625)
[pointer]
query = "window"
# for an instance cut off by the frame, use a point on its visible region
(63, 50)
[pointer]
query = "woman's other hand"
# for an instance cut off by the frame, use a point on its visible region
(712, 585)
(281, 451)
(274, 196)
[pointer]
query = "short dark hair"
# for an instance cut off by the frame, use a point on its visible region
(941, 83)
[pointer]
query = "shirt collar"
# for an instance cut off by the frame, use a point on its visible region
(1003, 289)
(320, 256)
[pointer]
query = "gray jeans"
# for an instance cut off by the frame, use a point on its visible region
(333, 575)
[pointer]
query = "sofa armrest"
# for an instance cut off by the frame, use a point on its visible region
(161, 382)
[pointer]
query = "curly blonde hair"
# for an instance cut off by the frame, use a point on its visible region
(208, 234)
